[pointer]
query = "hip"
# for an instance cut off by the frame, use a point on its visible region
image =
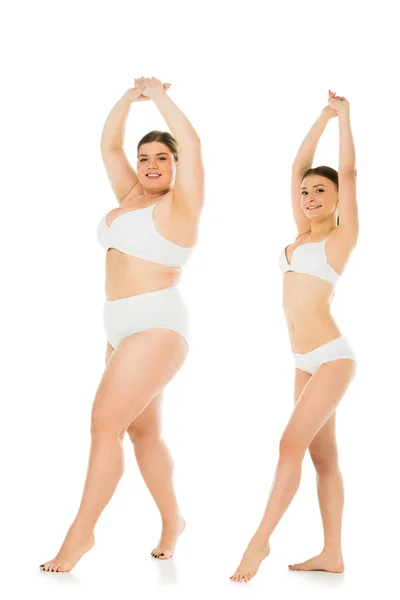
(163, 308)
(305, 334)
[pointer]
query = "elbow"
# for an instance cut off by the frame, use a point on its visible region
(193, 139)
(196, 141)
(190, 144)
(109, 147)
(300, 167)
(348, 171)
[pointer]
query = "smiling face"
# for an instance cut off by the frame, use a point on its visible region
(156, 167)
(319, 197)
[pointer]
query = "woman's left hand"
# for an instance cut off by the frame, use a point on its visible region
(339, 103)
(152, 87)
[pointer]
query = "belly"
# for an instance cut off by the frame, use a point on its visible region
(128, 275)
(306, 303)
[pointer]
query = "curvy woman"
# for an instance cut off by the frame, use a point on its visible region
(324, 361)
(147, 240)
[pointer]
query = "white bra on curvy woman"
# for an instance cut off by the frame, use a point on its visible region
(134, 232)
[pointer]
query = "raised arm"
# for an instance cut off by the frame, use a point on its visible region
(188, 193)
(348, 210)
(303, 162)
(122, 176)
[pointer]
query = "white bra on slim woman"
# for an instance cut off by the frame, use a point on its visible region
(310, 258)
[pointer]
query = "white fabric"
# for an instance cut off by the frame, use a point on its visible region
(134, 233)
(164, 309)
(333, 350)
(309, 258)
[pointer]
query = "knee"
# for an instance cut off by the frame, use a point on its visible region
(325, 463)
(290, 449)
(143, 435)
(102, 426)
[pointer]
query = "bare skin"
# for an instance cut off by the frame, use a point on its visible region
(314, 407)
(306, 302)
(324, 454)
(129, 396)
(156, 466)
(126, 389)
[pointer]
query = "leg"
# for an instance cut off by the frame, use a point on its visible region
(138, 369)
(109, 352)
(316, 404)
(324, 454)
(156, 466)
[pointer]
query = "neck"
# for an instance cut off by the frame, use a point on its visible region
(319, 228)
(150, 196)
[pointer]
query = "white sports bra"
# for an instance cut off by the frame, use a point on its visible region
(134, 232)
(309, 258)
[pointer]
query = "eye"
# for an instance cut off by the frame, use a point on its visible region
(302, 193)
(162, 158)
(320, 190)
(143, 159)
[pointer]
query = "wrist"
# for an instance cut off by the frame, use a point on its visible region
(324, 118)
(344, 114)
(159, 96)
(130, 96)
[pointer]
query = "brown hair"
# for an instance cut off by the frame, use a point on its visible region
(161, 136)
(327, 172)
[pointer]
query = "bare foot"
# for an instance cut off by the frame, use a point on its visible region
(169, 535)
(326, 561)
(74, 547)
(255, 553)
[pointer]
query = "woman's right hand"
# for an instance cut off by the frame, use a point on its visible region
(328, 111)
(135, 94)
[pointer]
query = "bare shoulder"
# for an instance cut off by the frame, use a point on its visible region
(122, 176)
(339, 246)
(176, 222)
(343, 237)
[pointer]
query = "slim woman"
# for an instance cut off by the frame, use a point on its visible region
(324, 361)
(147, 240)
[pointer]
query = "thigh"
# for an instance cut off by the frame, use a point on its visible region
(139, 368)
(301, 378)
(317, 403)
(323, 448)
(109, 351)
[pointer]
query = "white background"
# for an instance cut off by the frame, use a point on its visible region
(252, 78)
